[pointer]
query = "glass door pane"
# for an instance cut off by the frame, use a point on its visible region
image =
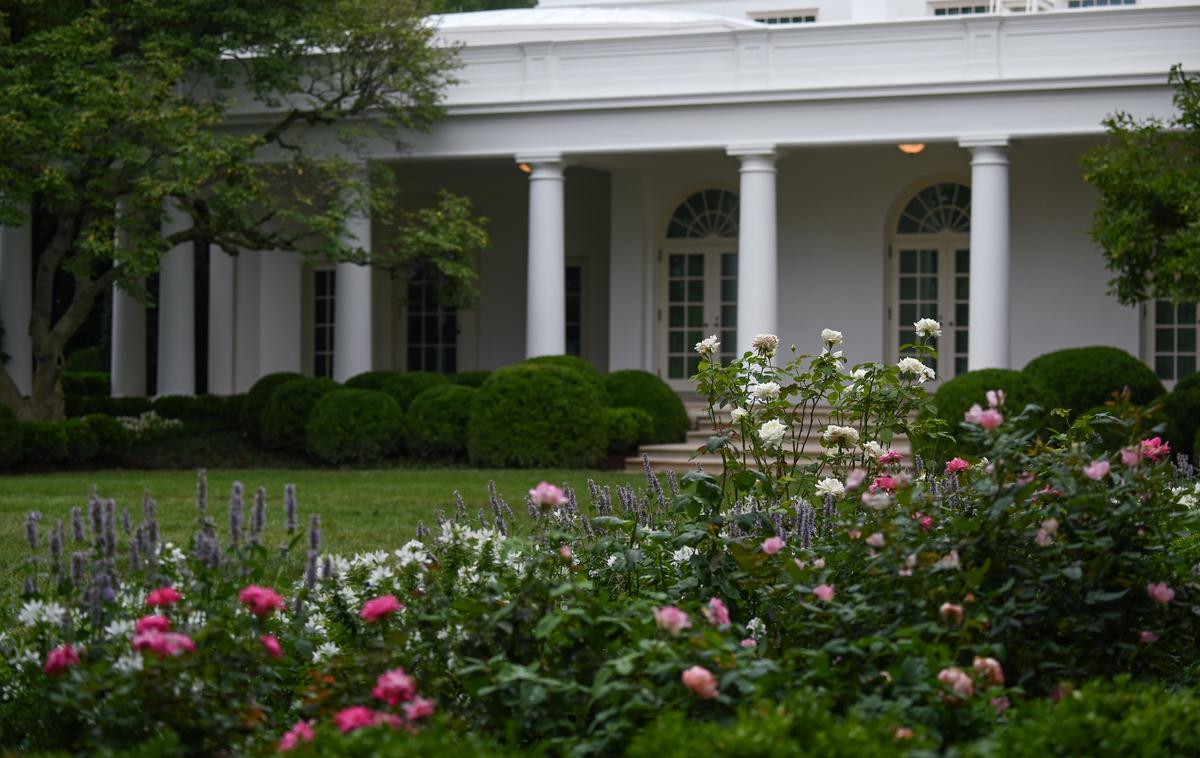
(685, 312)
(957, 328)
(918, 295)
(726, 316)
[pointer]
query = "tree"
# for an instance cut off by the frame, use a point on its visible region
(113, 110)
(1148, 218)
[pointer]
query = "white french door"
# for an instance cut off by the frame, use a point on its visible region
(930, 278)
(697, 298)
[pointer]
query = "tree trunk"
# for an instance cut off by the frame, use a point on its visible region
(47, 401)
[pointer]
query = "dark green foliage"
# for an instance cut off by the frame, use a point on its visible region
(85, 383)
(627, 428)
(437, 422)
(286, 415)
(354, 426)
(641, 389)
(956, 396)
(82, 443)
(43, 443)
(1085, 377)
(532, 416)
(574, 363)
(205, 449)
(109, 406)
(256, 401)
(111, 436)
(202, 412)
(405, 387)
(370, 380)
(1182, 407)
(471, 378)
(1189, 382)
(10, 437)
(1106, 719)
(86, 359)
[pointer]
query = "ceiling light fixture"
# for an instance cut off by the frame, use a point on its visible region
(911, 148)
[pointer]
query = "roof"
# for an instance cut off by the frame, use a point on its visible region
(571, 23)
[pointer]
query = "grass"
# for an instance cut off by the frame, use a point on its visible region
(360, 509)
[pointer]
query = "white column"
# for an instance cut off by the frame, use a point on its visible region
(352, 308)
(222, 287)
(546, 307)
(128, 367)
(758, 269)
(177, 311)
(16, 303)
(988, 331)
(279, 312)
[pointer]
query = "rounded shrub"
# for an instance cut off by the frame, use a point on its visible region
(1189, 382)
(627, 428)
(641, 389)
(110, 406)
(85, 383)
(44, 442)
(471, 378)
(111, 435)
(405, 387)
(10, 437)
(437, 422)
(286, 415)
(1085, 377)
(536, 416)
(1182, 408)
(202, 412)
(354, 426)
(956, 396)
(257, 398)
(577, 364)
(86, 359)
(82, 443)
(370, 380)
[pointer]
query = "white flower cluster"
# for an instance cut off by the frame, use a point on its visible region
(708, 346)
(927, 327)
(916, 369)
(831, 486)
(764, 391)
(772, 433)
(765, 344)
(35, 612)
(842, 436)
(149, 424)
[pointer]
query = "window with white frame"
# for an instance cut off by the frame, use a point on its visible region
(324, 287)
(1172, 339)
(959, 8)
(432, 328)
(803, 16)
(574, 295)
(1098, 3)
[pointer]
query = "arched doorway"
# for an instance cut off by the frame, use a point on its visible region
(929, 262)
(698, 283)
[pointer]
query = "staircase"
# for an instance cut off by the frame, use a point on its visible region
(684, 456)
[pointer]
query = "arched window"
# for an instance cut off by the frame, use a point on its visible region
(708, 214)
(931, 262)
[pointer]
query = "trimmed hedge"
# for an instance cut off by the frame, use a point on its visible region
(109, 406)
(286, 415)
(82, 443)
(256, 401)
(1189, 382)
(1182, 407)
(471, 378)
(536, 416)
(86, 359)
(354, 426)
(85, 383)
(437, 422)
(574, 363)
(111, 435)
(370, 380)
(956, 396)
(10, 437)
(627, 429)
(44, 442)
(641, 389)
(404, 387)
(202, 412)
(1085, 377)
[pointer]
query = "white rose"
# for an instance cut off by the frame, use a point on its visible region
(877, 500)
(765, 391)
(846, 436)
(914, 368)
(831, 337)
(737, 414)
(873, 448)
(708, 346)
(927, 327)
(772, 433)
(859, 374)
(831, 486)
(765, 344)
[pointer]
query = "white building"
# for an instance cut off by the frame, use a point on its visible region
(660, 170)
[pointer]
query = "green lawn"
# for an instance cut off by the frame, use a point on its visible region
(360, 510)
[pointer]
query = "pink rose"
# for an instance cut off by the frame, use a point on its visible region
(163, 644)
(565, 552)
(772, 545)
(1131, 456)
(1154, 449)
(995, 398)
(716, 612)
(890, 457)
(901, 733)
(1147, 637)
(354, 717)
(989, 418)
(301, 732)
(958, 681)
(1025, 477)
(884, 483)
(418, 709)
(819, 563)
(394, 687)
(261, 600)
(377, 608)
(990, 670)
(749, 642)
(951, 612)
(60, 659)
(1000, 704)
(163, 596)
(1096, 470)
(672, 619)
(855, 478)
(152, 624)
(854, 534)
(271, 645)
(700, 681)
(824, 592)
(876, 540)
(546, 496)
(955, 465)
(1160, 593)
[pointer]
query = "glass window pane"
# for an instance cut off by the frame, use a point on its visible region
(676, 291)
(695, 315)
(908, 288)
(693, 365)
(675, 367)
(693, 337)
(960, 340)
(676, 316)
(962, 261)
(1185, 340)
(908, 313)
(928, 310)
(907, 336)
(696, 265)
(960, 365)
(729, 290)
(729, 263)
(1164, 312)
(1186, 366)
(908, 261)
(1164, 366)
(929, 288)
(676, 342)
(961, 314)
(729, 315)
(1187, 313)
(929, 261)
(962, 288)
(728, 339)
(414, 358)
(450, 359)
(695, 290)
(675, 265)
(1164, 340)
